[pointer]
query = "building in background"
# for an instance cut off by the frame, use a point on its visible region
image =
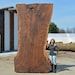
(8, 29)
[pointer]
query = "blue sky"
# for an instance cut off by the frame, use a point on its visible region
(63, 11)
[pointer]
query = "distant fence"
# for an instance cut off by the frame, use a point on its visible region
(0, 42)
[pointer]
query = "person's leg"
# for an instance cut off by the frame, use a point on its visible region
(51, 59)
(54, 63)
(54, 59)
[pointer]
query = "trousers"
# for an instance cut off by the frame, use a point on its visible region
(52, 59)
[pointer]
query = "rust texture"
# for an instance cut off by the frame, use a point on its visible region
(32, 35)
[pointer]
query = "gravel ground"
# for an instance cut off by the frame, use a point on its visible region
(65, 64)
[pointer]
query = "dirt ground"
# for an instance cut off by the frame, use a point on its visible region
(65, 64)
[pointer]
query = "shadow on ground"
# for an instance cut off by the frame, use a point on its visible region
(63, 67)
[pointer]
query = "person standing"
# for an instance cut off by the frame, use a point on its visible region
(53, 54)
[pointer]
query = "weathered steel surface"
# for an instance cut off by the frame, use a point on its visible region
(33, 30)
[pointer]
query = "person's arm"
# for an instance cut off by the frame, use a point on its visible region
(48, 46)
(57, 49)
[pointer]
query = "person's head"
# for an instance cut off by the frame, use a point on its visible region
(52, 41)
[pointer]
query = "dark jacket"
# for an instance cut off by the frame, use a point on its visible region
(53, 49)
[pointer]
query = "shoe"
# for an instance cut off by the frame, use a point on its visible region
(54, 68)
(51, 68)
